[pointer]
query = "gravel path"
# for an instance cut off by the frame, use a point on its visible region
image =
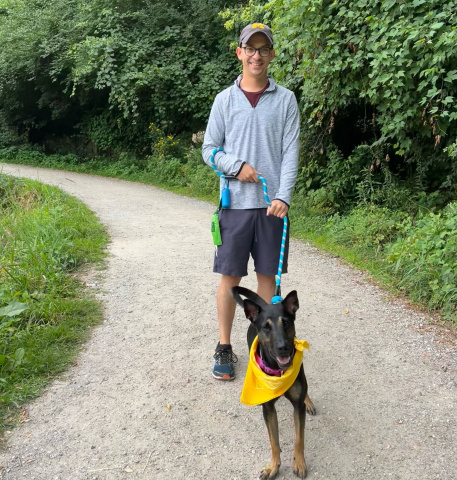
(141, 403)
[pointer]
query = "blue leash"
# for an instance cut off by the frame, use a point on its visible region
(277, 296)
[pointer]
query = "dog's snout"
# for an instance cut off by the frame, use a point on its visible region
(282, 347)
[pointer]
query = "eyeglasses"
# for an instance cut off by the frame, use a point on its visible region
(263, 51)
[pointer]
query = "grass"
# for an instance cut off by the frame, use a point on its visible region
(47, 240)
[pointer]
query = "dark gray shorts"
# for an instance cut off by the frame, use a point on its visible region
(250, 232)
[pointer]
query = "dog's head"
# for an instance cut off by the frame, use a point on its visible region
(275, 324)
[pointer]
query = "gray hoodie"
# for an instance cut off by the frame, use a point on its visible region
(266, 137)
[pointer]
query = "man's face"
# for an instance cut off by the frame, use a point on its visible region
(256, 66)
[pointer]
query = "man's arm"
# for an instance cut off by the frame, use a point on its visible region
(215, 138)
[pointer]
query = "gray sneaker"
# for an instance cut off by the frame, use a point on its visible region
(224, 359)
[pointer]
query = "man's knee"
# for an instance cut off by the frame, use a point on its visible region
(227, 282)
(267, 280)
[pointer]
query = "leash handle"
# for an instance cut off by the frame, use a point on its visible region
(213, 163)
(277, 296)
(265, 190)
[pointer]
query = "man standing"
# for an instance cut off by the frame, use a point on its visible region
(256, 122)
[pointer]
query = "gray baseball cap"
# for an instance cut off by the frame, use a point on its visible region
(252, 28)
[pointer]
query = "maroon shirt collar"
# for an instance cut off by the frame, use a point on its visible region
(254, 97)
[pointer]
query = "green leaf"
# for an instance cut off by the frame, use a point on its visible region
(451, 76)
(19, 355)
(13, 309)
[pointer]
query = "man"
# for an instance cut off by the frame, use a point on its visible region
(256, 122)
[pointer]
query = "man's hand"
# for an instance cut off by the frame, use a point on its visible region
(278, 209)
(248, 174)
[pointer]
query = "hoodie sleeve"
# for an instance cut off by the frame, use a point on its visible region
(215, 138)
(290, 151)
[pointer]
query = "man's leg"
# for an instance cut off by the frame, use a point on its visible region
(266, 286)
(231, 260)
(224, 358)
(226, 307)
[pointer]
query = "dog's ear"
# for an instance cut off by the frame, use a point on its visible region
(251, 310)
(237, 297)
(290, 303)
(249, 294)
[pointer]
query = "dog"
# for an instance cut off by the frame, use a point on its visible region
(274, 325)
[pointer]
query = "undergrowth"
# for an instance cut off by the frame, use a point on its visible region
(46, 238)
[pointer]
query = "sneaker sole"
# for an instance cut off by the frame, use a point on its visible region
(226, 378)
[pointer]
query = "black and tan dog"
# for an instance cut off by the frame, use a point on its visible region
(274, 325)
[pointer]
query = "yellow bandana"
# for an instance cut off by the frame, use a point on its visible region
(259, 387)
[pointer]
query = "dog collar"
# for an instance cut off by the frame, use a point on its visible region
(265, 369)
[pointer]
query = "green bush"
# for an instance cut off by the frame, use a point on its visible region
(366, 227)
(107, 69)
(425, 260)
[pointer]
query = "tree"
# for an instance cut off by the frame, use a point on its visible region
(108, 69)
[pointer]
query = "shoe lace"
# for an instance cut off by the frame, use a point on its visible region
(224, 357)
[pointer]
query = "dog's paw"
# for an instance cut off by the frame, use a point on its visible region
(269, 473)
(310, 408)
(300, 469)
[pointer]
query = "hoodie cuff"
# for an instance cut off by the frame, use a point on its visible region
(239, 170)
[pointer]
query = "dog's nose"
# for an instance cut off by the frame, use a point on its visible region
(282, 347)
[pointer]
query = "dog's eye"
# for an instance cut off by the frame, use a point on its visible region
(266, 327)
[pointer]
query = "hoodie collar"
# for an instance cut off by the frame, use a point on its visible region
(270, 88)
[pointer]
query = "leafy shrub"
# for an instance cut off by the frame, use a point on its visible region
(10, 316)
(425, 260)
(333, 188)
(105, 69)
(366, 227)
(164, 145)
(167, 171)
(203, 180)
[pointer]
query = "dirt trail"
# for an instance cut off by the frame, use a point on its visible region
(383, 381)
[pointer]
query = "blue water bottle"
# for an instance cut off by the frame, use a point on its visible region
(225, 196)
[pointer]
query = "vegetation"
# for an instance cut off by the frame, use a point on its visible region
(46, 238)
(73, 72)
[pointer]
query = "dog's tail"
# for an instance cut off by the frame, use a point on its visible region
(250, 295)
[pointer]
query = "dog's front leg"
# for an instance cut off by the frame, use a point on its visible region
(299, 449)
(271, 420)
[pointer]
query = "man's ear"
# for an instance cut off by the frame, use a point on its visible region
(290, 303)
(238, 52)
(251, 310)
